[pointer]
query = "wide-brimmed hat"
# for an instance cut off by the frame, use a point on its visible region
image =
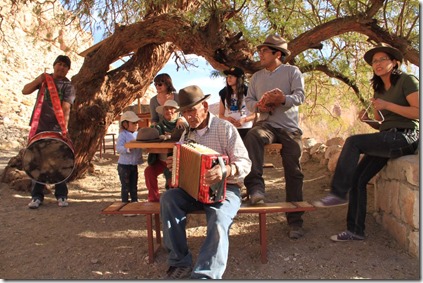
(276, 42)
(168, 103)
(383, 47)
(129, 116)
(234, 71)
(191, 96)
(148, 135)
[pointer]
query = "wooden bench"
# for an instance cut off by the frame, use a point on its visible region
(152, 209)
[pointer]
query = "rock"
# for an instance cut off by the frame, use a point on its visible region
(331, 150)
(335, 141)
(305, 157)
(22, 185)
(308, 143)
(333, 160)
(317, 148)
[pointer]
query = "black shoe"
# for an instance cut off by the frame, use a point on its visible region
(295, 232)
(178, 272)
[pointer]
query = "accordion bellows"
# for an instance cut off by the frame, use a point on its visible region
(190, 163)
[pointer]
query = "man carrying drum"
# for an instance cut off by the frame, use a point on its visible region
(45, 116)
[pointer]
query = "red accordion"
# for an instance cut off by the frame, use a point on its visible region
(190, 163)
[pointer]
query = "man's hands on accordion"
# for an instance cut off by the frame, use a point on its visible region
(212, 176)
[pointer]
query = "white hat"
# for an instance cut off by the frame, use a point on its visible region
(168, 103)
(129, 116)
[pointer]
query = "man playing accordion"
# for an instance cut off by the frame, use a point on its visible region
(220, 135)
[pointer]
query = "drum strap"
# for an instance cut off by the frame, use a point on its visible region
(48, 83)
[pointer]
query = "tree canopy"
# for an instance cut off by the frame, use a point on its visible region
(327, 40)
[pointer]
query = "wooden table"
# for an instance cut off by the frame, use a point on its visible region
(152, 147)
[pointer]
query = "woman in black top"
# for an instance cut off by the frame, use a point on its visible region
(232, 105)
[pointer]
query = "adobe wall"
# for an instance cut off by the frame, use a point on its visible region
(397, 201)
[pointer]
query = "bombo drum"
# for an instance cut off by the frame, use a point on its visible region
(49, 158)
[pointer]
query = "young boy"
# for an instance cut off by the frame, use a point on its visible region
(128, 158)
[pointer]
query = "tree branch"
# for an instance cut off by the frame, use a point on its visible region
(334, 74)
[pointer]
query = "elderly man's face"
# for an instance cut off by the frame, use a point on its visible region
(196, 116)
(169, 113)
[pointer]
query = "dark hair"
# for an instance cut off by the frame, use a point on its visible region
(240, 91)
(64, 59)
(274, 50)
(167, 80)
(377, 82)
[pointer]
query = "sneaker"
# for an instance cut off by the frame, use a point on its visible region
(295, 232)
(178, 272)
(35, 203)
(346, 236)
(256, 198)
(62, 202)
(330, 201)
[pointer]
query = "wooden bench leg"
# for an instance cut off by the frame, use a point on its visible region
(150, 239)
(158, 235)
(263, 237)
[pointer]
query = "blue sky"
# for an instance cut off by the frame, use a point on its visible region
(199, 75)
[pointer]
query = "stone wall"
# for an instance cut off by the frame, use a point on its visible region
(397, 201)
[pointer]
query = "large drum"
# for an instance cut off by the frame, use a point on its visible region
(49, 158)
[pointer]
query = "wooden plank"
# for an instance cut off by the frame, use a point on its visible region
(151, 147)
(154, 208)
(113, 208)
(141, 208)
(150, 208)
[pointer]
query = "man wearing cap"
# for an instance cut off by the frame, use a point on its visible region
(276, 92)
(48, 122)
(396, 111)
(157, 162)
(232, 101)
(175, 204)
(128, 158)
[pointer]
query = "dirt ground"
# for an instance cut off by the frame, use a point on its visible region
(78, 242)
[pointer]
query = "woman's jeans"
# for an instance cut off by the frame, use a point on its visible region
(352, 175)
(128, 175)
(175, 204)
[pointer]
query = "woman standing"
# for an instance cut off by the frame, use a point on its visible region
(396, 111)
(232, 105)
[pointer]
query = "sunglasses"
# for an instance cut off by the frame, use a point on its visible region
(158, 84)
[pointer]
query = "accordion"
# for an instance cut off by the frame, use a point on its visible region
(191, 161)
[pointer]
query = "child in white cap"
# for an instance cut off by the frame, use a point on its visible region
(128, 158)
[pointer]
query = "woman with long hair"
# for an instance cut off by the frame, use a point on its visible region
(396, 116)
(232, 104)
